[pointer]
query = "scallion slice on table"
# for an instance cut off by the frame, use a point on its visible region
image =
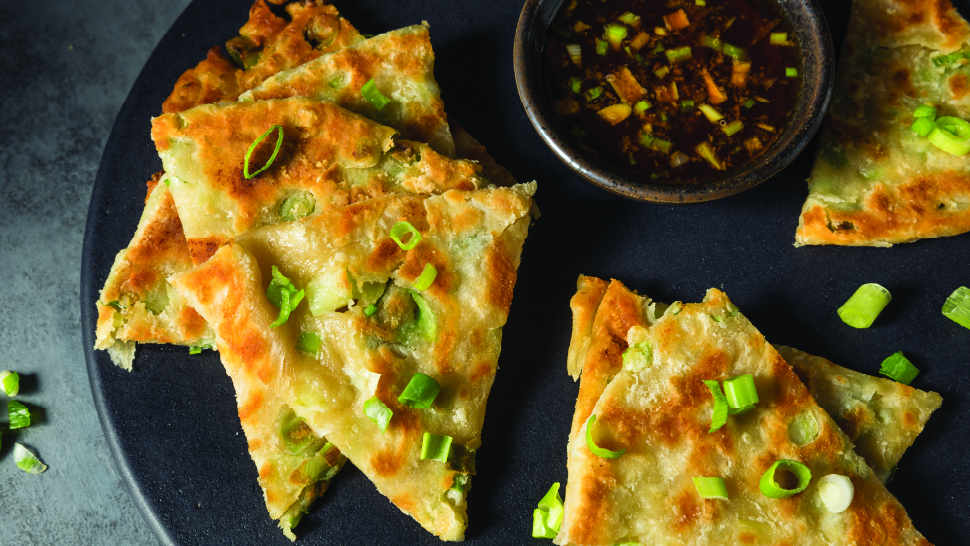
(597, 450)
(373, 95)
(836, 492)
(956, 308)
(711, 488)
(435, 447)
(720, 412)
(11, 382)
(952, 135)
(420, 392)
(378, 412)
(898, 368)
(426, 278)
(401, 229)
(252, 148)
(18, 414)
(769, 486)
(865, 305)
(547, 518)
(26, 460)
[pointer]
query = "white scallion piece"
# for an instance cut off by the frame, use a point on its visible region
(26, 460)
(836, 492)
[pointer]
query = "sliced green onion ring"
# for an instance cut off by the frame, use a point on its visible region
(426, 322)
(379, 413)
(923, 126)
(951, 135)
(740, 392)
(401, 229)
(711, 488)
(252, 147)
(309, 342)
(26, 460)
(373, 95)
(420, 392)
(426, 278)
(865, 305)
(11, 382)
(370, 310)
(637, 357)
(297, 206)
(836, 492)
(898, 368)
(18, 414)
(770, 488)
(599, 451)
(924, 111)
(720, 412)
(956, 308)
(435, 447)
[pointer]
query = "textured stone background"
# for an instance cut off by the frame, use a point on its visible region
(65, 69)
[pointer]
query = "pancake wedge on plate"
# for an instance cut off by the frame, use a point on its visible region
(373, 329)
(875, 182)
(401, 65)
(660, 415)
(882, 417)
(266, 45)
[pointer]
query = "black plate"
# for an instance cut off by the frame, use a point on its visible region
(172, 424)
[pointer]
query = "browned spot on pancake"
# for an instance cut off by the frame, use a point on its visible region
(902, 82)
(252, 405)
(499, 276)
(746, 537)
(853, 420)
(152, 182)
(267, 470)
(872, 525)
(191, 324)
(420, 256)
(594, 503)
(405, 425)
(255, 444)
(204, 248)
(909, 420)
(686, 510)
(482, 371)
(385, 256)
(405, 502)
(959, 85)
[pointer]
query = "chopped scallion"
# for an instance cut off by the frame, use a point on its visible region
(547, 518)
(641, 107)
(425, 324)
(732, 127)
(740, 392)
(952, 135)
(420, 392)
(720, 412)
(370, 310)
(956, 308)
(661, 145)
(373, 95)
(599, 451)
(658, 48)
(309, 342)
(401, 229)
(925, 111)
(700, 3)
(778, 38)
(427, 277)
(710, 41)
(706, 151)
(898, 368)
(791, 72)
(575, 54)
(435, 447)
(18, 414)
(593, 93)
(601, 47)
(630, 19)
(686, 106)
(710, 113)
(734, 52)
(297, 206)
(865, 305)
(252, 147)
(748, 103)
(615, 34)
(678, 158)
(637, 356)
(379, 413)
(923, 126)
(197, 349)
(26, 460)
(711, 487)
(679, 54)
(770, 488)
(284, 295)
(661, 72)
(836, 492)
(575, 84)
(11, 382)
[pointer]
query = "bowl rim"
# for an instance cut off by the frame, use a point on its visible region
(817, 72)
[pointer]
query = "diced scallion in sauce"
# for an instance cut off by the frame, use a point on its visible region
(640, 86)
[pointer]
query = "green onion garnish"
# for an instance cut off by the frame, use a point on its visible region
(714, 43)
(770, 488)
(778, 38)
(641, 107)
(706, 151)
(601, 47)
(951, 135)
(679, 54)
(593, 94)
(578, 132)
(597, 450)
(865, 305)
(720, 412)
(735, 52)
(615, 34)
(956, 308)
(629, 18)
(197, 349)
(18, 414)
(336, 83)
(575, 54)
(898, 368)
(425, 323)
(803, 428)
(947, 60)
(748, 103)
(924, 111)
(686, 106)
(373, 95)
(700, 3)
(637, 356)
(379, 413)
(401, 229)
(295, 433)
(711, 488)
(658, 48)
(661, 72)
(435, 447)
(732, 127)
(420, 392)
(297, 206)
(252, 147)
(459, 482)
(370, 310)
(661, 145)
(284, 295)
(547, 518)
(710, 113)
(836, 492)
(11, 382)
(426, 277)
(791, 72)
(740, 392)
(923, 126)
(309, 342)
(26, 460)
(575, 84)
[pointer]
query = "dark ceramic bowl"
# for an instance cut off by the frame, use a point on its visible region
(817, 70)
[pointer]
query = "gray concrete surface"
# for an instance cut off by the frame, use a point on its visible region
(65, 69)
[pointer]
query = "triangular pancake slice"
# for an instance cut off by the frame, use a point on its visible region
(329, 155)
(401, 64)
(875, 182)
(661, 416)
(450, 331)
(882, 417)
